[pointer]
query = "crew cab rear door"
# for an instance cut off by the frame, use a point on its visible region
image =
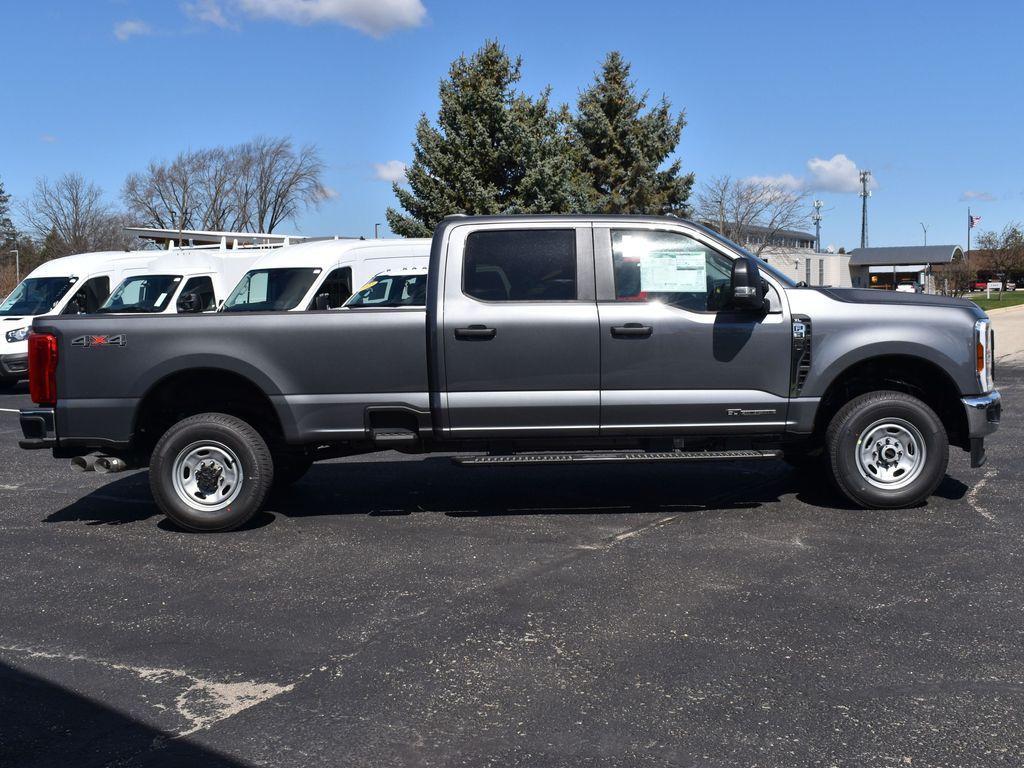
(519, 345)
(675, 359)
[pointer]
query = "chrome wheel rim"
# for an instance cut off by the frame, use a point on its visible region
(891, 453)
(207, 476)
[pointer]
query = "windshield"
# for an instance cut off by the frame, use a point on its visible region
(142, 293)
(391, 291)
(36, 295)
(761, 263)
(268, 290)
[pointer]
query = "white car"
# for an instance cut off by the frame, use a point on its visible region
(66, 286)
(907, 286)
(320, 274)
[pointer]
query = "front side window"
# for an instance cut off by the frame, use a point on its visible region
(669, 268)
(90, 297)
(142, 293)
(391, 291)
(520, 265)
(203, 288)
(271, 290)
(36, 295)
(338, 287)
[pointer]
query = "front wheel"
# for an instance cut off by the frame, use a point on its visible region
(210, 472)
(887, 450)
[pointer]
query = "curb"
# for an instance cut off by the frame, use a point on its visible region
(1001, 310)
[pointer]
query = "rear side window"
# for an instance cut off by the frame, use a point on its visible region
(90, 296)
(520, 265)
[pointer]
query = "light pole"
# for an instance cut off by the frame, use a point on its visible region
(816, 218)
(376, 231)
(17, 264)
(925, 233)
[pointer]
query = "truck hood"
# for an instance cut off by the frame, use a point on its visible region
(874, 296)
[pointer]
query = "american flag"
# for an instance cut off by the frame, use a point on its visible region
(973, 221)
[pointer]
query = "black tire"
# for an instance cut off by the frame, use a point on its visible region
(233, 449)
(289, 469)
(863, 426)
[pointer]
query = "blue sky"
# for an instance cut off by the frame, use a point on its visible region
(928, 96)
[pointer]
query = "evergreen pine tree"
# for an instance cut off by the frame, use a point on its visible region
(494, 150)
(622, 148)
(8, 234)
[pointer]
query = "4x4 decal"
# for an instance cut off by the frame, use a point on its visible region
(118, 340)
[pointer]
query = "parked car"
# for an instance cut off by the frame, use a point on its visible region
(907, 286)
(67, 285)
(534, 347)
(320, 274)
(182, 280)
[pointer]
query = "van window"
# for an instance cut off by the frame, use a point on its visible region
(520, 265)
(35, 295)
(387, 290)
(338, 286)
(142, 293)
(90, 297)
(267, 290)
(203, 287)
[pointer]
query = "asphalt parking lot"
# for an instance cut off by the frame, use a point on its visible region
(409, 612)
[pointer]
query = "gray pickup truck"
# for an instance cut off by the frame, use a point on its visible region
(544, 339)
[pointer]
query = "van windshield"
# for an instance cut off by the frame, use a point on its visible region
(142, 293)
(271, 290)
(391, 291)
(36, 295)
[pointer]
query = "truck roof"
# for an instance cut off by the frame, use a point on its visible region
(87, 263)
(324, 253)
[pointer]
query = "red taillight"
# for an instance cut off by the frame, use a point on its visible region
(42, 368)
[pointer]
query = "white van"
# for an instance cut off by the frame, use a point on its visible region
(65, 286)
(183, 280)
(397, 288)
(320, 274)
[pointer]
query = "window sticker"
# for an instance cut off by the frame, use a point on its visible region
(671, 271)
(160, 299)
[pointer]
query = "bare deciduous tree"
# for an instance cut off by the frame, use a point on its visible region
(72, 211)
(749, 211)
(1002, 252)
(250, 187)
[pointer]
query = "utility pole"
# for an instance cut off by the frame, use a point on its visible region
(816, 218)
(376, 231)
(865, 177)
(925, 233)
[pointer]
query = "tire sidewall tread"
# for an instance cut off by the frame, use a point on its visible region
(252, 452)
(843, 436)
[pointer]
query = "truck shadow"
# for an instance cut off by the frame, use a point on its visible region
(434, 485)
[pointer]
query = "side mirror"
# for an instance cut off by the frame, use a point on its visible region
(748, 288)
(322, 301)
(189, 302)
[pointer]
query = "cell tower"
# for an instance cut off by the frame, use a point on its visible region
(816, 218)
(865, 178)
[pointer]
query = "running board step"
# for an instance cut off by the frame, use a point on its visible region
(615, 457)
(393, 436)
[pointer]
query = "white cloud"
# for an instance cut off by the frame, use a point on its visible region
(373, 17)
(329, 193)
(131, 28)
(970, 196)
(208, 11)
(48, 138)
(836, 174)
(392, 170)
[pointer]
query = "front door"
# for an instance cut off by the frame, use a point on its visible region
(520, 332)
(674, 358)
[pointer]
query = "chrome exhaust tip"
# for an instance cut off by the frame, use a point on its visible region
(83, 463)
(107, 465)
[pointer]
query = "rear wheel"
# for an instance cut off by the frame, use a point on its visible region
(210, 472)
(887, 450)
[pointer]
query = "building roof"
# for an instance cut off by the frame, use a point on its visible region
(904, 254)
